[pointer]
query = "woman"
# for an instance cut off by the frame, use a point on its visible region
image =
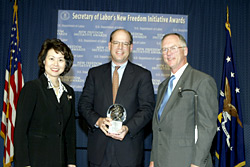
(45, 123)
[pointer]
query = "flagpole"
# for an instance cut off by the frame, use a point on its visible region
(230, 133)
(227, 24)
(13, 84)
(15, 7)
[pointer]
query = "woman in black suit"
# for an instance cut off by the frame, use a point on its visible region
(45, 123)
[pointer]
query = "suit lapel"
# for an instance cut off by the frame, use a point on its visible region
(161, 93)
(65, 98)
(107, 82)
(126, 82)
(174, 95)
(50, 94)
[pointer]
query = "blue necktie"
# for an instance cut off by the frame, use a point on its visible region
(166, 96)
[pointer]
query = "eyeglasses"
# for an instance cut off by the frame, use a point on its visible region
(172, 49)
(117, 43)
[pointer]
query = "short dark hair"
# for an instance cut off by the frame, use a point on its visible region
(130, 35)
(182, 39)
(58, 46)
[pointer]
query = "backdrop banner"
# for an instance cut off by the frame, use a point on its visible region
(87, 34)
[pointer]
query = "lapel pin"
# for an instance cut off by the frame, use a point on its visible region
(69, 97)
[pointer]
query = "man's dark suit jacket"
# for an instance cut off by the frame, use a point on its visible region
(45, 129)
(135, 93)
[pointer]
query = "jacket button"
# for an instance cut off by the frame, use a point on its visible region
(159, 129)
(59, 123)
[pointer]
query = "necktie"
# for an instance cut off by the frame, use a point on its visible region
(115, 82)
(166, 96)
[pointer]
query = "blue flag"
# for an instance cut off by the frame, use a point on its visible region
(230, 150)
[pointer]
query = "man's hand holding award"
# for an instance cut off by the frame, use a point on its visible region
(112, 125)
(118, 115)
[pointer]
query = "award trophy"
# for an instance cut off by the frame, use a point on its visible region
(118, 115)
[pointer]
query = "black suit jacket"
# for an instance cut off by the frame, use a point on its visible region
(44, 133)
(135, 93)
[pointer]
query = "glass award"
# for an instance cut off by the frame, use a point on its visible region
(118, 115)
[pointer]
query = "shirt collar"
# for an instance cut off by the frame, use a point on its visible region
(50, 84)
(180, 71)
(121, 67)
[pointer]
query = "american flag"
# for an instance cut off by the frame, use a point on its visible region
(230, 135)
(13, 85)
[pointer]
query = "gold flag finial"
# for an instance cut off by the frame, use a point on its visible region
(227, 24)
(15, 7)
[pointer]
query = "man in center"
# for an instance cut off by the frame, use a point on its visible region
(135, 93)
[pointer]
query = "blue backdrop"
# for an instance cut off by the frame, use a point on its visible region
(206, 40)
